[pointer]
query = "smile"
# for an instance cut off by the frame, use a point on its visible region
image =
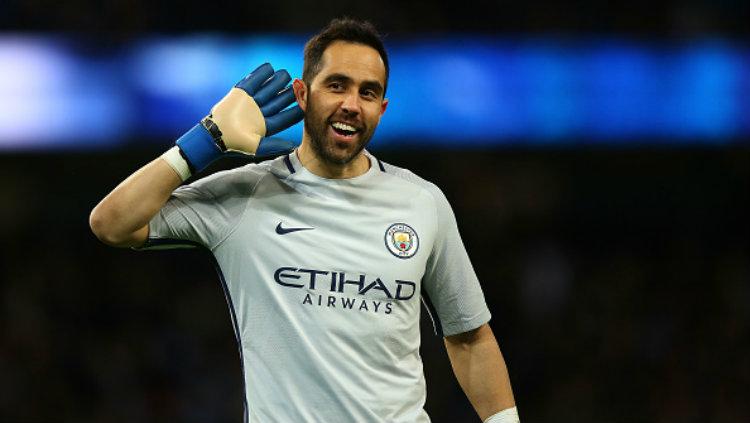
(344, 129)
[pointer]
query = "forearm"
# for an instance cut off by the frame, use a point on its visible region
(480, 369)
(121, 218)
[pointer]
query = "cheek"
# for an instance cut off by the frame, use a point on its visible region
(318, 103)
(374, 112)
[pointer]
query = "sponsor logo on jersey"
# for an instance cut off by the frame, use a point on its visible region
(350, 291)
(401, 240)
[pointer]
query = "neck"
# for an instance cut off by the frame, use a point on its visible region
(312, 162)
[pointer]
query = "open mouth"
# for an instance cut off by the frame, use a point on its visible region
(344, 129)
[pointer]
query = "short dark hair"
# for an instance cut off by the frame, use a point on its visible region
(342, 29)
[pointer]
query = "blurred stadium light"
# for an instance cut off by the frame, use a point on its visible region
(474, 91)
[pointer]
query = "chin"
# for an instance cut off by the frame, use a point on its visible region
(340, 158)
(341, 153)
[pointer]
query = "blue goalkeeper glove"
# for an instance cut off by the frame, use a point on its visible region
(255, 108)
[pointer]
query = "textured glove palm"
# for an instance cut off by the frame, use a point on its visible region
(254, 108)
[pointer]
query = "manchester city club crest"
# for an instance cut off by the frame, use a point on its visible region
(401, 240)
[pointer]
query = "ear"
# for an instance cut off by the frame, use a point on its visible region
(383, 106)
(300, 93)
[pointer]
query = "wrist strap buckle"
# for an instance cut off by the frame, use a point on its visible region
(214, 130)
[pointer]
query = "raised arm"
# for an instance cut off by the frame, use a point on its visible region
(480, 369)
(121, 218)
(255, 107)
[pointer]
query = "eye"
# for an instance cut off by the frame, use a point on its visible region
(370, 94)
(336, 86)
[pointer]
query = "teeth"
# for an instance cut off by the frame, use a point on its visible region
(344, 127)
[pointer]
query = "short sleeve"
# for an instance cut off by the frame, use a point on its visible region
(451, 289)
(205, 212)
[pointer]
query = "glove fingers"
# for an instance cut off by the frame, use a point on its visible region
(271, 87)
(283, 120)
(252, 82)
(273, 147)
(281, 101)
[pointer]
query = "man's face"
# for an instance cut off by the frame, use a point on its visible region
(345, 101)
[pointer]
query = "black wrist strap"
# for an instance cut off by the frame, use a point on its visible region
(214, 130)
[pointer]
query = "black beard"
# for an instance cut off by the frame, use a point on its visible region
(316, 127)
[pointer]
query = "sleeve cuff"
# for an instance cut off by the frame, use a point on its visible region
(454, 328)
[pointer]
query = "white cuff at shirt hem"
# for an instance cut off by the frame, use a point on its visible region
(509, 415)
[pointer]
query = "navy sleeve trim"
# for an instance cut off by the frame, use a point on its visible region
(166, 243)
(288, 163)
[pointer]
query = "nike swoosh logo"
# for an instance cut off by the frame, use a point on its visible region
(283, 231)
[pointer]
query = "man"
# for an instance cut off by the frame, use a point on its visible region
(325, 253)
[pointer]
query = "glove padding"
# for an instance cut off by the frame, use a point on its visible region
(254, 108)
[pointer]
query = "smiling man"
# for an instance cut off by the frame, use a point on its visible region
(342, 93)
(326, 254)
(343, 104)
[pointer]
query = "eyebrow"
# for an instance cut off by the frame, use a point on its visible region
(369, 84)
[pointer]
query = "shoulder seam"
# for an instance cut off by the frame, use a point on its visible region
(242, 216)
(426, 186)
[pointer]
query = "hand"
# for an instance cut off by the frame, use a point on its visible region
(254, 108)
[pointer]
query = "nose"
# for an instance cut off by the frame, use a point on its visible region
(350, 104)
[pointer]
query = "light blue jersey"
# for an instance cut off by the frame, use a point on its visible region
(324, 279)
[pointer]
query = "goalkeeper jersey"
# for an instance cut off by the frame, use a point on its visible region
(324, 280)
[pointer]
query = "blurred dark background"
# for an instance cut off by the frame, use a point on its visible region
(618, 277)
(121, 17)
